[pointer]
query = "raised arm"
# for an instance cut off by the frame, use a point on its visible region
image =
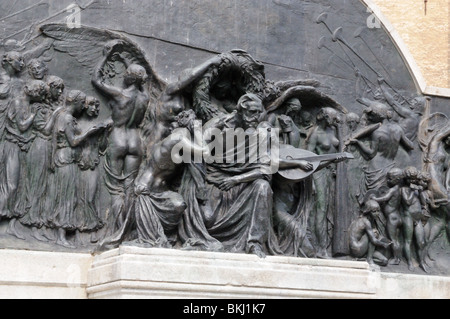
(39, 50)
(368, 152)
(406, 142)
(285, 85)
(398, 108)
(23, 120)
(372, 237)
(364, 101)
(385, 197)
(97, 80)
(47, 127)
(75, 139)
(191, 75)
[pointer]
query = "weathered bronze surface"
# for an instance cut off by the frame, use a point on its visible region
(113, 113)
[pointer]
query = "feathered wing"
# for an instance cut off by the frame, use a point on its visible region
(87, 44)
(305, 94)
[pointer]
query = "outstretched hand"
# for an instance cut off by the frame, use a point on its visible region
(305, 165)
(386, 244)
(109, 47)
(228, 184)
(340, 159)
(351, 142)
(141, 190)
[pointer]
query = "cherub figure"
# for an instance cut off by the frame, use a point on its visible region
(364, 239)
(391, 203)
(412, 217)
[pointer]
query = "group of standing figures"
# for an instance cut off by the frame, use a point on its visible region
(49, 164)
(56, 156)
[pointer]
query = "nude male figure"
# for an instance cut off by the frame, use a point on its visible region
(125, 150)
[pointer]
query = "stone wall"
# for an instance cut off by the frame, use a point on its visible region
(427, 36)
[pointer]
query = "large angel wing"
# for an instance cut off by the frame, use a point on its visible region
(84, 44)
(308, 95)
(87, 44)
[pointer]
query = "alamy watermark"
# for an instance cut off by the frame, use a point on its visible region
(227, 146)
(73, 20)
(372, 21)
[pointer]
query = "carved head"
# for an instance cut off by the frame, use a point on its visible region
(76, 100)
(37, 69)
(285, 121)
(378, 112)
(329, 115)
(92, 106)
(37, 90)
(306, 118)
(411, 174)
(13, 61)
(425, 179)
(395, 176)
(418, 104)
(250, 110)
(186, 118)
(293, 108)
(56, 85)
(371, 207)
(135, 74)
(352, 120)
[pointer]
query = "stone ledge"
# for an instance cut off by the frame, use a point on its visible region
(130, 272)
(32, 274)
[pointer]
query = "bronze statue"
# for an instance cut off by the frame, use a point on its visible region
(30, 204)
(14, 120)
(66, 136)
(88, 175)
(364, 239)
(385, 141)
(323, 140)
(218, 158)
(391, 202)
(125, 150)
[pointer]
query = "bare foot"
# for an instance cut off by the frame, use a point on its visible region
(394, 261)
(63, 242)
(35, 233)
(13, 231)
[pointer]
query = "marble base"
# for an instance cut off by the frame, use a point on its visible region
(139, 273)
(43, 275)
(131, 272)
